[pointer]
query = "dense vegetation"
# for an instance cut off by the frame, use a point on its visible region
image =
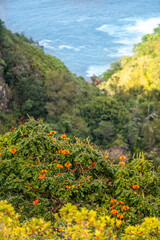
(123, 118)
(62, 186)
(44, 173)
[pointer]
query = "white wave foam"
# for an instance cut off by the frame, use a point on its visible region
(45, 44)
(81, 19)
(70, 47)
(96, 70)
(128, 42)
(123, 51)
(110, 29)
(144, 26)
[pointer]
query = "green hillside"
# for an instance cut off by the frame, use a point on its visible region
(121, 114)
(139, 71)
(37, 84)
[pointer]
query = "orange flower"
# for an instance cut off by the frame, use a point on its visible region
(121, 202)
(43, 171)
(60, 230)
(60, 174)
(94, 164)
(122, 163)
(122, 158)
(114, 211)
(41, 177)
(93, 146)
(113, 201)
(113, 206)
(20, 123)
(68, 164)
(134, 192)
(63, 136)
(13, 150)
(36, 201)
(106, 156)
(52, 132)
(59, 166)
(73, 186)
(0, 154)
(65, 152)
(125, 207)
(12, 128)
(135, 186)
(120, 216)
(68, 187)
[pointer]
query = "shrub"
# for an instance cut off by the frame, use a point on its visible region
(36, 165)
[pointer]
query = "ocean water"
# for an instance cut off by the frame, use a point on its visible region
(86, 35)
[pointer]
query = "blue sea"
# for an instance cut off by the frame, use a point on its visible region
(87, 35)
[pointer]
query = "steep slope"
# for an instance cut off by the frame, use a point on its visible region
(34, 83)
(139, 71)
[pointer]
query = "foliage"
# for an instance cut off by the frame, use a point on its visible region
(54, 170)
(72, 223)
(43, 171)
(85, 224)
(12, 228)
(149, 229)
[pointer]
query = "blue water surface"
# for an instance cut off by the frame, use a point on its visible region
(87, 35)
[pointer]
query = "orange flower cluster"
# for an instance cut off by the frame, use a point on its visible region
(60, 174)
(93, 146)
(122, 158)
(41, 177)
(20, 123)
(94, 164)
(12, 128)
(106, 156)
(65, 152)
(36, 201)
(43, 171)
(13, 150)
(114, 211)
(63, 136)
(125, 207)
(59, 166)
(68, 165)
(122, 163)
(52, 132)
(135, 186)
(120, 216)
(113, 201)
(0, 154)
(68, 187)
(121, 202)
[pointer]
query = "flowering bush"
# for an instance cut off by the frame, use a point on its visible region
(42, 172)
(53, 169)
